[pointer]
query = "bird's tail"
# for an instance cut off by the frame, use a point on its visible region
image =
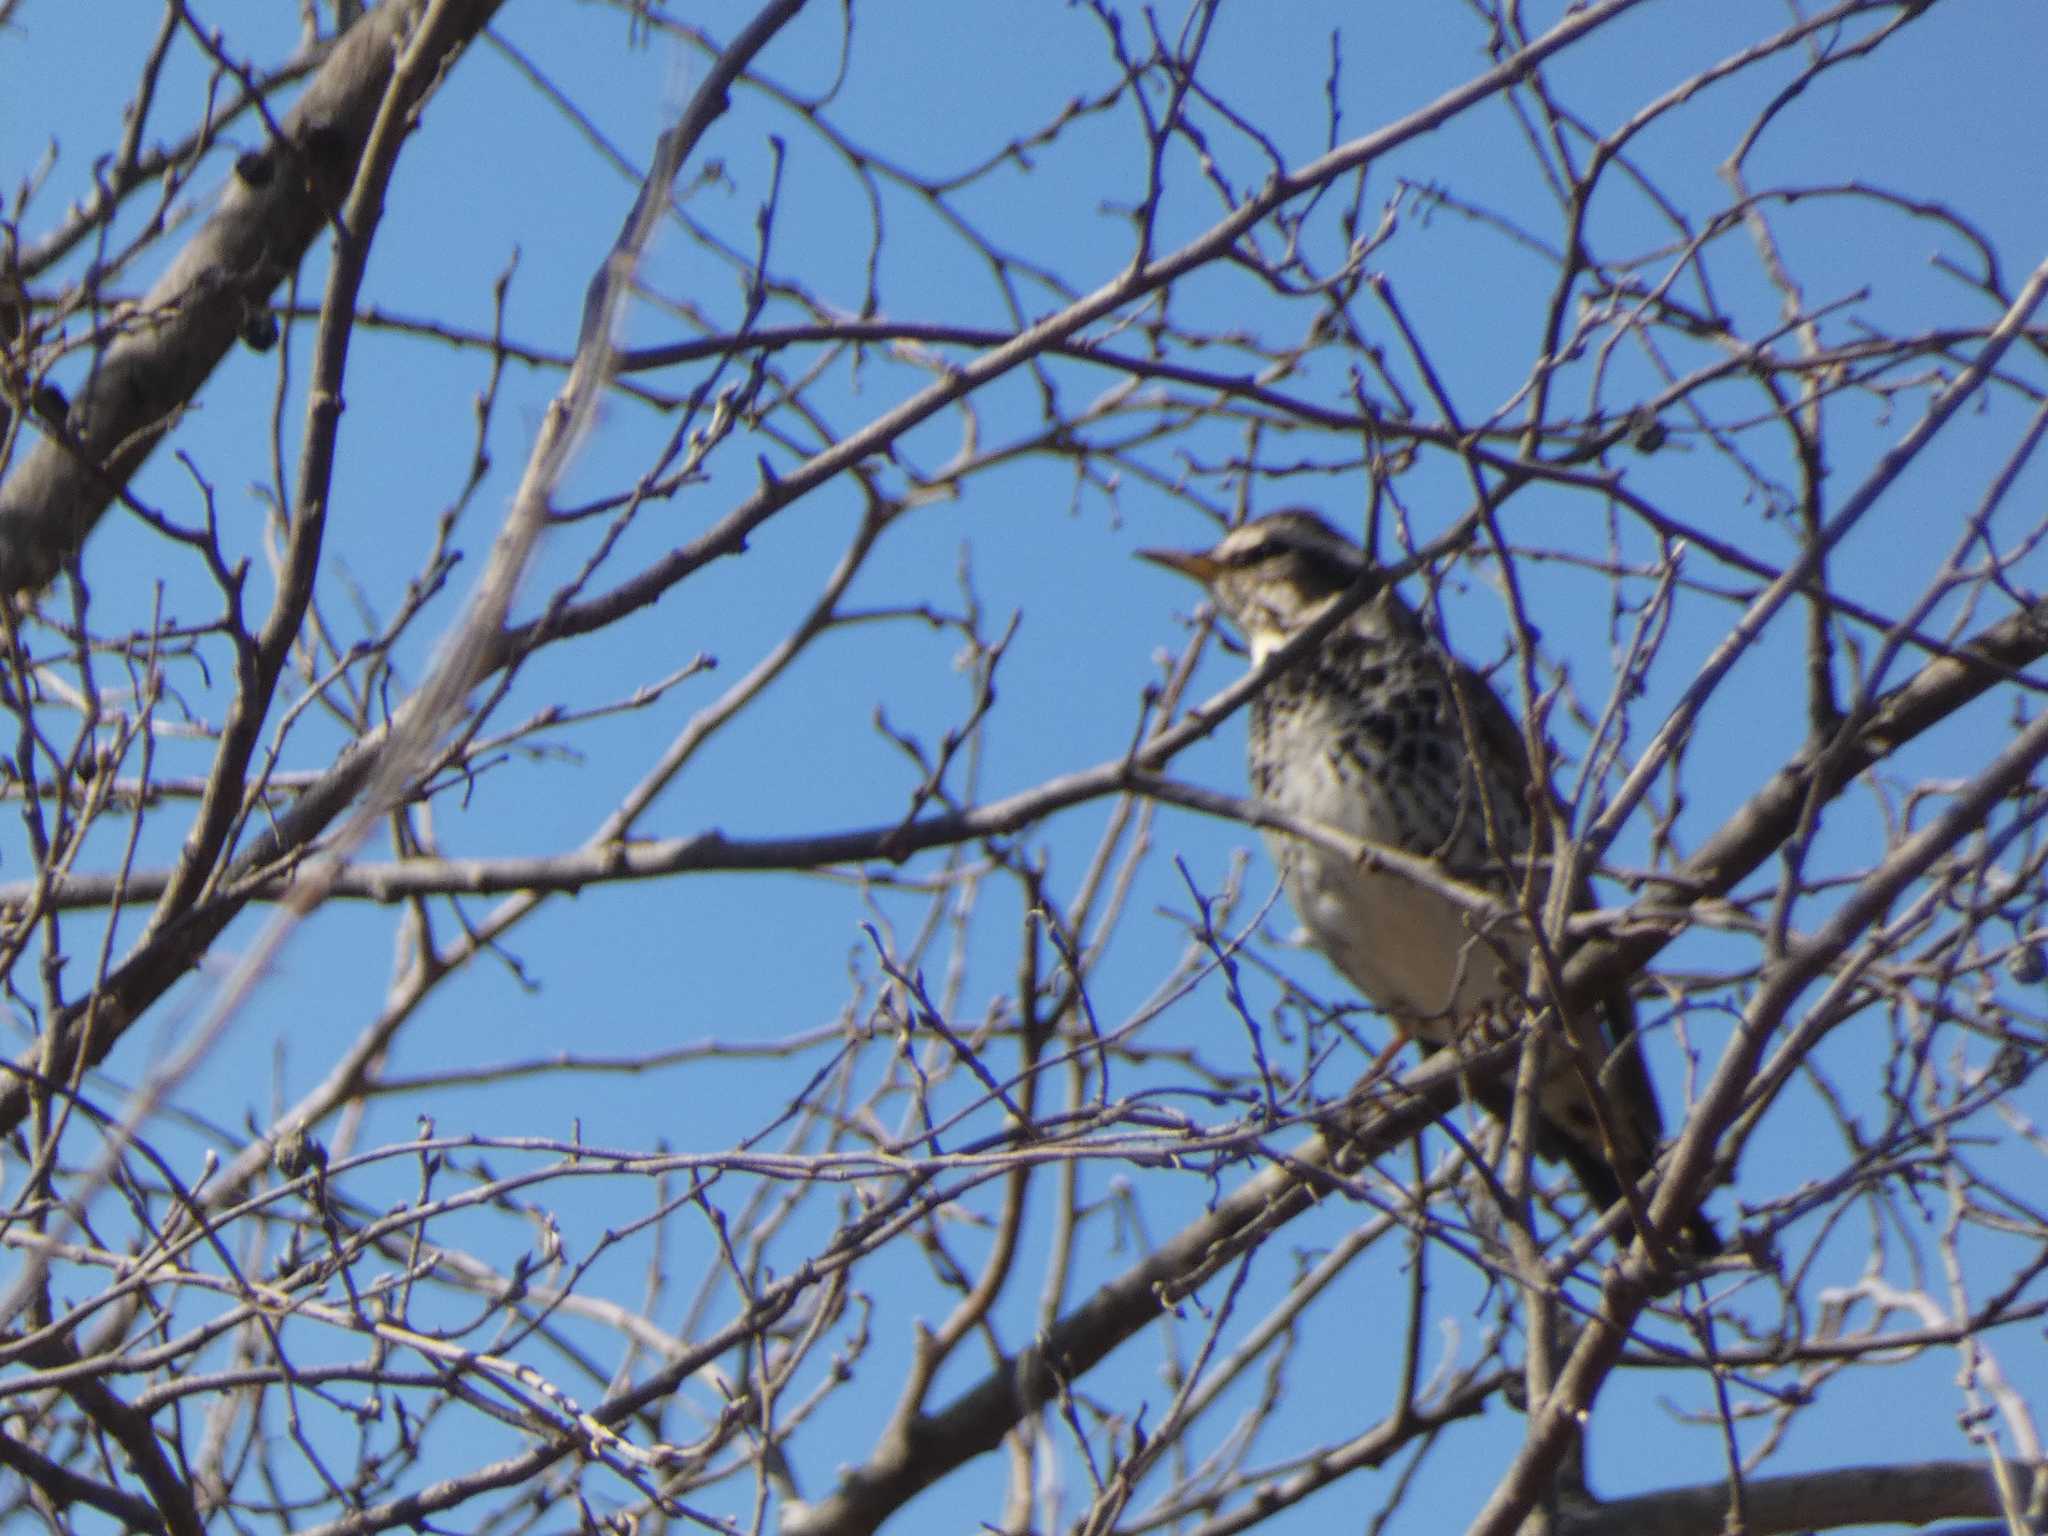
(1697, 1237)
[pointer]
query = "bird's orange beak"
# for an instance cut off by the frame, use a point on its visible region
(1198, 567)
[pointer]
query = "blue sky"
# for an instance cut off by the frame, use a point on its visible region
(496, 177)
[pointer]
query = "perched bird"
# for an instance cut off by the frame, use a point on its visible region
(1378, 733)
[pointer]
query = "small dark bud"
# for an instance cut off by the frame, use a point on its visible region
(255, 168)
(1646, 434)
(296, 1153)
(259, 329)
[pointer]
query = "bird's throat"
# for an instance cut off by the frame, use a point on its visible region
(1264, 640)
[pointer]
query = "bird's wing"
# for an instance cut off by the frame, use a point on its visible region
(1603, 1037)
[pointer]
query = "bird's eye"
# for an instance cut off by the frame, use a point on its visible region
(1251, 555)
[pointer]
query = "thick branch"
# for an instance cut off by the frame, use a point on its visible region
(64, 1488)
(267, 218)
(1810, 1501)
(88, 1030)
(912, 1456)
(1755, 832)
(1627, 1287)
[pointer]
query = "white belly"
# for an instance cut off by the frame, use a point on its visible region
(1413, 954)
